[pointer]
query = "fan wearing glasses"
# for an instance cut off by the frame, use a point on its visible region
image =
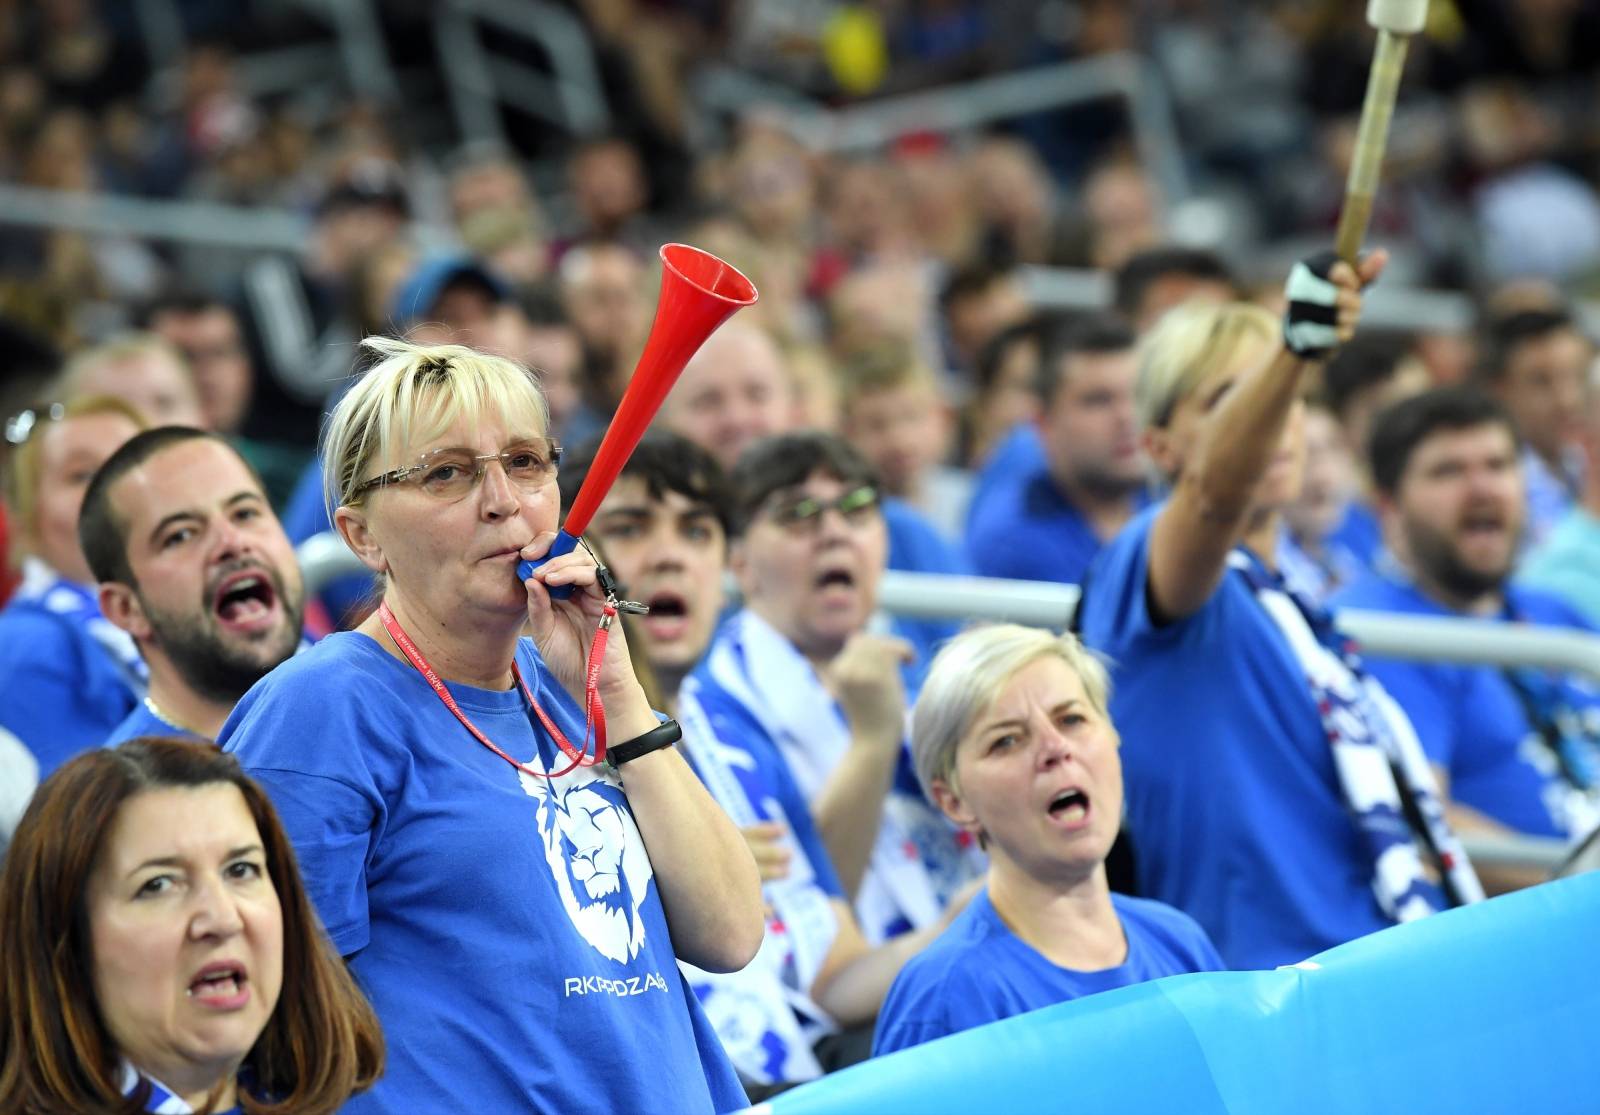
(67, 676)
(507, 902)
(808, 664)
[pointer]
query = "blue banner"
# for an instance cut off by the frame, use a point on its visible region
(1489, 1008)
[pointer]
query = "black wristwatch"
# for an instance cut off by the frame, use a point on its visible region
(662, 735)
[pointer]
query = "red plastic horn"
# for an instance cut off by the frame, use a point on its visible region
(698, 293)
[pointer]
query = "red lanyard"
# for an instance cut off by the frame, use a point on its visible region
(595, 726)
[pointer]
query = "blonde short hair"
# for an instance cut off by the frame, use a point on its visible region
(125, 346)
(1189, 343)
(415, 393)
(966, 678)
(885, 365)
(24, 469)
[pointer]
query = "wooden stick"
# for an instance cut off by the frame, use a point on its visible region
(1383, 87)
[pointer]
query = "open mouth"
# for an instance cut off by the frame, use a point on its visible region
(1070, 807)
(668, 617)
(1483, 524)
(835, 577)
(225, 985)
(246, 601)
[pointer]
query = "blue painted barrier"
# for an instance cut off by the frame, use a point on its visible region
(1492, 1008)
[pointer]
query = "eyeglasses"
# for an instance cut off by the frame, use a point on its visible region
(449, 474)
(803, 515)
(20, 428)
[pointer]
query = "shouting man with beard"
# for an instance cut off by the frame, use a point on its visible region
(1516, 749)
(194, 565)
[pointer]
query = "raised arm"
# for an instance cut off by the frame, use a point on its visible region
(1239, 431)
(865, 677)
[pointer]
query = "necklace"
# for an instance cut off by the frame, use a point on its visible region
(155, 711)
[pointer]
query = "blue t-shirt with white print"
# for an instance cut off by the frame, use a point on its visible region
(507, 928)
(1234, 806)
(978, 970)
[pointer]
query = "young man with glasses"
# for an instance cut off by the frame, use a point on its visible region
(808, 663)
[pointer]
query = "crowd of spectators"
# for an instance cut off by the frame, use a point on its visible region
(901, 396)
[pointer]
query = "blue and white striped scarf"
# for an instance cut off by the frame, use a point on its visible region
(764, 1014)
(1380, 762)
(918, 861)
(163, 1100)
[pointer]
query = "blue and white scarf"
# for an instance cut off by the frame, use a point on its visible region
(764, 1014)
(77, 604)
(1380, 762)
(1564, 747)
(919, 860)
(163, 1100)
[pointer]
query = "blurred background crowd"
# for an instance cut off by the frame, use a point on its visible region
(963, 218)
(344, 144)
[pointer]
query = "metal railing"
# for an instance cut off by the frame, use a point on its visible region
(1047, 604)
(1408, 309)
(972, 104)
(1044, 604)
(258, 229)
(1386, 634)
(360, 36)
(570, 96)
(189, 222)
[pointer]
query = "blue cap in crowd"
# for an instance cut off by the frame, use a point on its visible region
(416, 297)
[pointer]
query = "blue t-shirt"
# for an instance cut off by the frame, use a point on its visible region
(1028, 530)
(1233, 803)
(142, 722)
(1471, 720)
(1359, 533)
(1018, 453)
(917, 547)
(979, 971)
(61, 690)
(506, 928)
(306, 516)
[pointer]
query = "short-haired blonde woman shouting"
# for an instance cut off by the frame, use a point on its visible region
(1011, 738)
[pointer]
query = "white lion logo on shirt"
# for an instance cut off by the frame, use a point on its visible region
(597, 858)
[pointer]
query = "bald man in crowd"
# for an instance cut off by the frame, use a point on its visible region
(734, 391)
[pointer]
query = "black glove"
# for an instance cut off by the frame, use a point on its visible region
(1310, 324)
